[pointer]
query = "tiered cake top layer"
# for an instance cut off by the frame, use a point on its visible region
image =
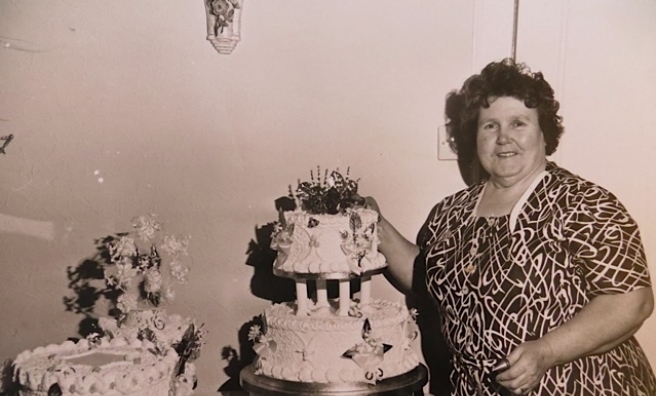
(344, 245)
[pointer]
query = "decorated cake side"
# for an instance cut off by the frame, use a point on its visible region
(370, 344)
(96, 367)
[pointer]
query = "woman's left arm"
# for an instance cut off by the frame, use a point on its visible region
(605, 244)
(589, 332)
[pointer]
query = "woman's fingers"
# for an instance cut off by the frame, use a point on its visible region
(528, 363)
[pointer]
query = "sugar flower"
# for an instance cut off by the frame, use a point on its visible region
(174, 245)
(335, 194)
(121, 247)
(108, 324)
(146, 226)
(168, 294)
(179, 271)
(153, 281)
(254, 333)
(127, 303)
(124, 274)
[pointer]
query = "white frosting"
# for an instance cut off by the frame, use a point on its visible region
(310, 348)
(167, 329)
(121, 369)
(324, 243)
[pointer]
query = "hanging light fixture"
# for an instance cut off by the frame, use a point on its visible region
(223, 24)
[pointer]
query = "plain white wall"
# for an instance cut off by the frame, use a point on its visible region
(130, 91)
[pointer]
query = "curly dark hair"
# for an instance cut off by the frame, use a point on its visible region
(497, 79)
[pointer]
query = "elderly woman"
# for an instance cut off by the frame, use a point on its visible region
(540, 276)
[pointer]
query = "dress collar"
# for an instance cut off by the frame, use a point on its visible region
(519, 205)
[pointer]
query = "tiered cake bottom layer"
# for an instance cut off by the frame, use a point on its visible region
(326, 348)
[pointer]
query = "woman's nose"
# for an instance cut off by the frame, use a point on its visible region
(503, 137)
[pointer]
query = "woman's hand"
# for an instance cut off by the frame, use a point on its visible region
(399, 252)
(369, 203)
(528, 363)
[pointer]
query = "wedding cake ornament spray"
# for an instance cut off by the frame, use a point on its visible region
(143, 280)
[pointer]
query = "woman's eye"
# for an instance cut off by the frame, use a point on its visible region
(518, 124)
(489, 126)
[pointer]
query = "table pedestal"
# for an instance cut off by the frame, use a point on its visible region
(407, 384)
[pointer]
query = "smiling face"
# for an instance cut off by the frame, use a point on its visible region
(509, 141)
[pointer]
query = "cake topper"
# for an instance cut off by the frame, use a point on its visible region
(334, 194)
(126, 264)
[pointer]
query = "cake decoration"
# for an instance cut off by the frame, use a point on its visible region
(335, 194)
(369, 354)
(144, 287)
(136, 275)
(327, 225)
(262, 345)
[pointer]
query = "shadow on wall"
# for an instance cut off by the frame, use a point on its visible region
(7, 385)
(82, 280)
(87, 281)
(265, 285)
(237, 360)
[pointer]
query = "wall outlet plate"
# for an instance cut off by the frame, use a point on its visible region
(444, 152)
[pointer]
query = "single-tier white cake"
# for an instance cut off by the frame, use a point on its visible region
(108, 368)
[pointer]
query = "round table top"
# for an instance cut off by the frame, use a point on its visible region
(401, 385)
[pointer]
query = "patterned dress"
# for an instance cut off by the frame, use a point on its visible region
(505, 280)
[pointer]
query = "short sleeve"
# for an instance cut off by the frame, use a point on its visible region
(427, 230)
(606, 245)
(424, 236)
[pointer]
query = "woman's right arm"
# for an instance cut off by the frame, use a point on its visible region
(399, 252)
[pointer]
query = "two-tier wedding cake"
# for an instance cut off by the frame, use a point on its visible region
(316, 339)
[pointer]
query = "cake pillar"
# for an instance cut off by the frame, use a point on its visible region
(365, 290)
(344, 297)
(322, 294)
(301, 297)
